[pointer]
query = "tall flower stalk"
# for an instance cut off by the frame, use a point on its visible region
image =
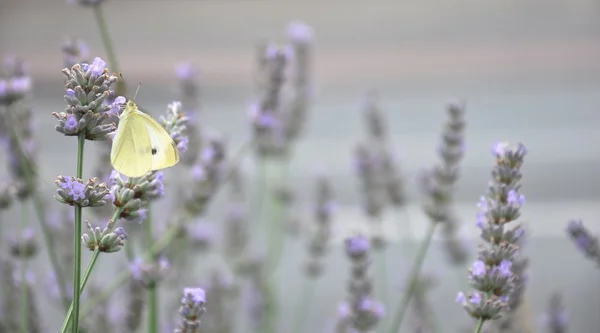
(87, 87)
(494, 275)
(439, 186)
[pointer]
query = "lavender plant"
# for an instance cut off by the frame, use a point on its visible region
(585, 241)
(360, 313)
(555, 318)
(493, 274)
(439, 183)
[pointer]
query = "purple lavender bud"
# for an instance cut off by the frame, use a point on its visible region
(23, 246)
(583, 238)
(73, 191)
(175, 123)
(108, 240)
(191, 310)
(357, 246)
(300, 33)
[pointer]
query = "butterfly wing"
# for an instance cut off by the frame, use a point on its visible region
(164, 150)
(131, 152)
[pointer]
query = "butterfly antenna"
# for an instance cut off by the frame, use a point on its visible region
(136, 91)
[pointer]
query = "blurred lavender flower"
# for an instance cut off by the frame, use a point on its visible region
(367, 166)
(7, 195)
(206, 176)
(24, 245)
(175, 123)
(15, 84)
(202, 234)
(324, 208)
(267, 115)
(149, 273)
(189, 95)
(585, 241)
(439, 183)
(75, 51)
(136, 303)
(555, 319)
(16, 125)
(360, 313)
(493, 274)
(87, 88)
(237, 236)
(191, 310)
(12, 284)
(73, 191)
(221, 294)
(301, 37)
(99, 320)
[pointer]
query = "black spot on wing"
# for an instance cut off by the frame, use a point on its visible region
(154, 151)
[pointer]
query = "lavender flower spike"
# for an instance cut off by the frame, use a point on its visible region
(586, 242)
(555, 319)
(360, 313)
(87, 88)
(191, 310)
(494, 275)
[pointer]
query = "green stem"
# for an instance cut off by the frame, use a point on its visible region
(24, 305)
(281, 213)
(303, 305)
(120, 89)
(86, 275)
(41, 215)
(479, 326)
(259, 195)
(77, 242)
(414, 277)
(126, 274)
(152, 290)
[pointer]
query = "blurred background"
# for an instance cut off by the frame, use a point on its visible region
(529, 71)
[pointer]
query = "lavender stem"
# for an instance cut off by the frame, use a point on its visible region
(479, 325)
(120, 89)
(153, 319)
(23, 269)
(414, 277)
(77, 241)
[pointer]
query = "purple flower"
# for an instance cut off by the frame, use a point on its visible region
(300, 33)
(515, 198)
(475, 298)
(198, 295)
(478, 268)
(186, 71)
(117, 105)
(357, 245)
(505, 268)
(71, 123)
(499, 149)
(98, 66)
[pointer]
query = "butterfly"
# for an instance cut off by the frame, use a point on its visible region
(141, 144)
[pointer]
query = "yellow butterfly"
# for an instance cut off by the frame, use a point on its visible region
(141, 144)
